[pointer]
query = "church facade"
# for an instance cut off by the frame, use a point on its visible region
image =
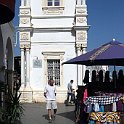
(51, 32)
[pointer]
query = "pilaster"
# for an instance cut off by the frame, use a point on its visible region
(22, 69)
(81, 29)
(27, 65)
(25, 30)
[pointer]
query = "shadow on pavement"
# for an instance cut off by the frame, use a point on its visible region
(46, 117)
(69, 115)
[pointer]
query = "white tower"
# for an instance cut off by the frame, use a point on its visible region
(51, 33)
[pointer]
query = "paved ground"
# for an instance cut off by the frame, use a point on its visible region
(36, 113)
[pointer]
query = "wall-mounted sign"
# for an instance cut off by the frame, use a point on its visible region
(37, 63)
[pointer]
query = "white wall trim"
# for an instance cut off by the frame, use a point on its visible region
(52, 16)
(52, 28)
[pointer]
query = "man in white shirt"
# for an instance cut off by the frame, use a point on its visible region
(50, 94)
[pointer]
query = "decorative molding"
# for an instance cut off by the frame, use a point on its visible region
(22, 46)
(81, 45)
(81, 35)
(51, 16)
(81, 20)
(81, 11)
(54, 28)
(51, 53)
(24, 12)
(25, 46)
(24, 21)
(26, 29)
(24, 36)
(85, 27)
(42, 42)
(53, 10)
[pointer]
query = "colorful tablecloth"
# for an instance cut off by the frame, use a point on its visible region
(105, 117)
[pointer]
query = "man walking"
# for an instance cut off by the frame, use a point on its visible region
(50, 94)
(69, 91)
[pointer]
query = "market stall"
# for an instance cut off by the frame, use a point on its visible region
(101, 104)
(104, 96)
(105, 108)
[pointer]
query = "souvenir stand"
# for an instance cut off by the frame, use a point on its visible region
(104, 102)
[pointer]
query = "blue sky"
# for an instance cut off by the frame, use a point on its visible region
(16, 23)
(106, 20)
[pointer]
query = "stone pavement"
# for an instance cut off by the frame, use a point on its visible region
(36, 113)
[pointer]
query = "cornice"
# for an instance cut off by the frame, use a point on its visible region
(81, 6)
(45, 28)
(52, 16)
(53, 52)
(25, 28)
(81, 27)
(52, 28)
(67, 42)
(25, 7)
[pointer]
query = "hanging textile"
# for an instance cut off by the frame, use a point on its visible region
(85, 95)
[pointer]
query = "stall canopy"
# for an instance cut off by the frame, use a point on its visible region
(111, 53)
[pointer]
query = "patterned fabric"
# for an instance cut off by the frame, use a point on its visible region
(122, 99)
(103, 100)
(105, 117)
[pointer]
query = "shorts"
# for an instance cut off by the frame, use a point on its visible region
(51, 104)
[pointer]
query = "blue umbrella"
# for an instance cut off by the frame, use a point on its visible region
(111, 53)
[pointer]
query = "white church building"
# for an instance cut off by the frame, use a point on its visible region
(51, 32)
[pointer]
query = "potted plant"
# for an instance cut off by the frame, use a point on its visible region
(14, 109)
